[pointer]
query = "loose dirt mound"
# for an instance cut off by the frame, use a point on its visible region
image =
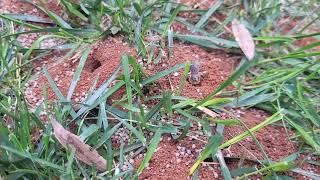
(106, 57)
(216, 66)
(101, 63)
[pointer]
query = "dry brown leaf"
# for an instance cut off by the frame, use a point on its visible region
(244, 38)
(208, 111)
(83, 152)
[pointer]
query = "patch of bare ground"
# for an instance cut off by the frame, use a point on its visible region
(173, 160)
(101, 63)
(216, 66)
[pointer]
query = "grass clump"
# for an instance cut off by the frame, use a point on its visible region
(284, 80)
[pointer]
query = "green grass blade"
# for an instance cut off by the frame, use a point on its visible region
(207, 41)
(29, 18)
(76, 76)
(88, 131)
(99, 92)
(207, 15)
(211, 148)
(305, 135)
(102, 118)
(107, 135)
(274, 118)
(62, 23)
(184, 77)
(54, 86)
(34, 159)
(162, 74)
(151, 149)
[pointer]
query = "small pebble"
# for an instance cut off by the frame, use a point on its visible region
(150, 67)
(183, 149)
(178, 161)
(215, 175)
(176, 74)
(188, 151)
(131, 161)
(193, 146)
(124, 167)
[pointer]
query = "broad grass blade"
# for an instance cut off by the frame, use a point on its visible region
(151, 149)
(211, 148)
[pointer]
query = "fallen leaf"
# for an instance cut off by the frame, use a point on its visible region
(84, 152)
(244, 39)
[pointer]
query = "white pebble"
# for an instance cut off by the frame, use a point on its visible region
(131, 161)
(188, 151)
(193, 146)
(178, 161)
(183, 149)
(215, 175)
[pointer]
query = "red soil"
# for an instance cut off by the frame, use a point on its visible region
(104, 59)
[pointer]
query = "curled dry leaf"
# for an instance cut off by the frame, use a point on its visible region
(84, 152)
(244, 38)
